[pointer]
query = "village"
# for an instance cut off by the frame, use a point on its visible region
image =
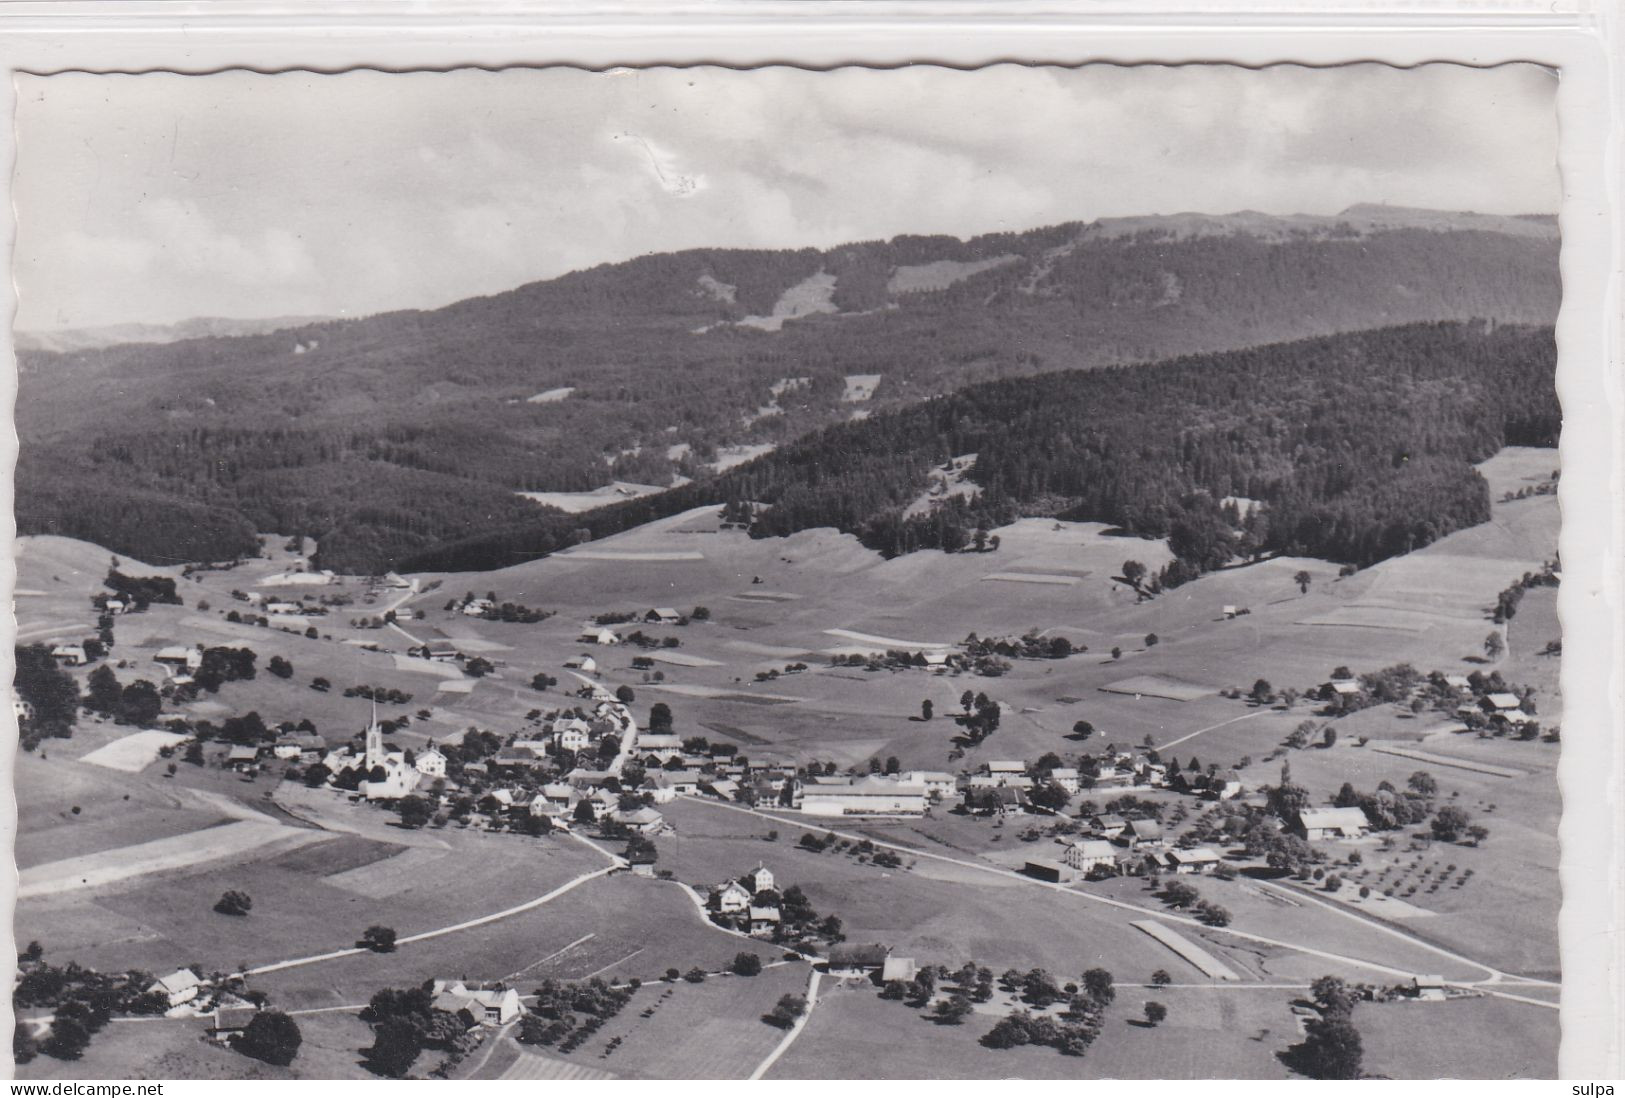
(562, 782)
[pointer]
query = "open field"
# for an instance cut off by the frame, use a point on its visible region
(712, 1030)
(1210, 1033)
(174, 1049)
(134, 753)
(1436, 1040)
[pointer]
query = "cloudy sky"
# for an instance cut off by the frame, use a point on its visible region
(154, 198)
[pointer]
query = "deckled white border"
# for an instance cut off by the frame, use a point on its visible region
(266, 36)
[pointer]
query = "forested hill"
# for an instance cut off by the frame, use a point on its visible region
(1359, 446)
(387, 436)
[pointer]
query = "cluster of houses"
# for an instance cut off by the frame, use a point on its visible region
(1119, 847)
(749, 903)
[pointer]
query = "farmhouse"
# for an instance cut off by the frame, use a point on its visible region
(937, 783)
(1429, 988)
(476, 607)
(1225, 786)
(721, 788)
(180, 986)
(495, 1005)
(1141, 831)
(228, 1021)
(584, 663)
(282, 607)
(440, 651)
(1458, 682)
(1066, 777)
(1109, 826)
(1091, 856)
(396, 582)
(70, 655)
(599, 636)
(857, 960)
(115, 606)
(763, 920)
(241, 757)
(644, 821)
(1330, 823)
(866, 796)
(663, 615)
(901, 969)
(1006, 768)
(1492, 703)
(1197, 860)
(1339, 688)
(178, 655)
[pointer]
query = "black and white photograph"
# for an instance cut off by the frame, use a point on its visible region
(685, 572)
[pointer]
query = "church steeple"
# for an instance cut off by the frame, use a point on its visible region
(375, 740)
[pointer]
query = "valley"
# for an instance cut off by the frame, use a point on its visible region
(809, 655)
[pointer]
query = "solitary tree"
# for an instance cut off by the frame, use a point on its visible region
(1449, 823)
(1331, 1049)
(1494, 645)
(926, 709)
(271, 1036)
(1098, 983)
(395, 1045)
(747, 964)
(1302, 579)
(379, 939)
(1155, 1012)
(233, 902)
(1117, 652)
(1161, 978)
(1134, 572)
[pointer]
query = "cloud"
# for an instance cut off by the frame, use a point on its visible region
(157, 197)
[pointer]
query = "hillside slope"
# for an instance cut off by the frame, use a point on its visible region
(1359, 447)
(386, 436)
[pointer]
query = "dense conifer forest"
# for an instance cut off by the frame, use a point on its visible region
(1360, 447)
(388, 436)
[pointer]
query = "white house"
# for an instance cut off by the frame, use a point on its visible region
(1090, 856)
(1006, 768)
(115, 606)
(763, 920)
(180, 986)
(430, 762)
(489, 1006)
(759, 879)
(733, 898)
(70, 655)
(572, 734)
(1066, 777)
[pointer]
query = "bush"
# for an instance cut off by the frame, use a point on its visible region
(695, 975)
(379, 939)
(746, 964)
